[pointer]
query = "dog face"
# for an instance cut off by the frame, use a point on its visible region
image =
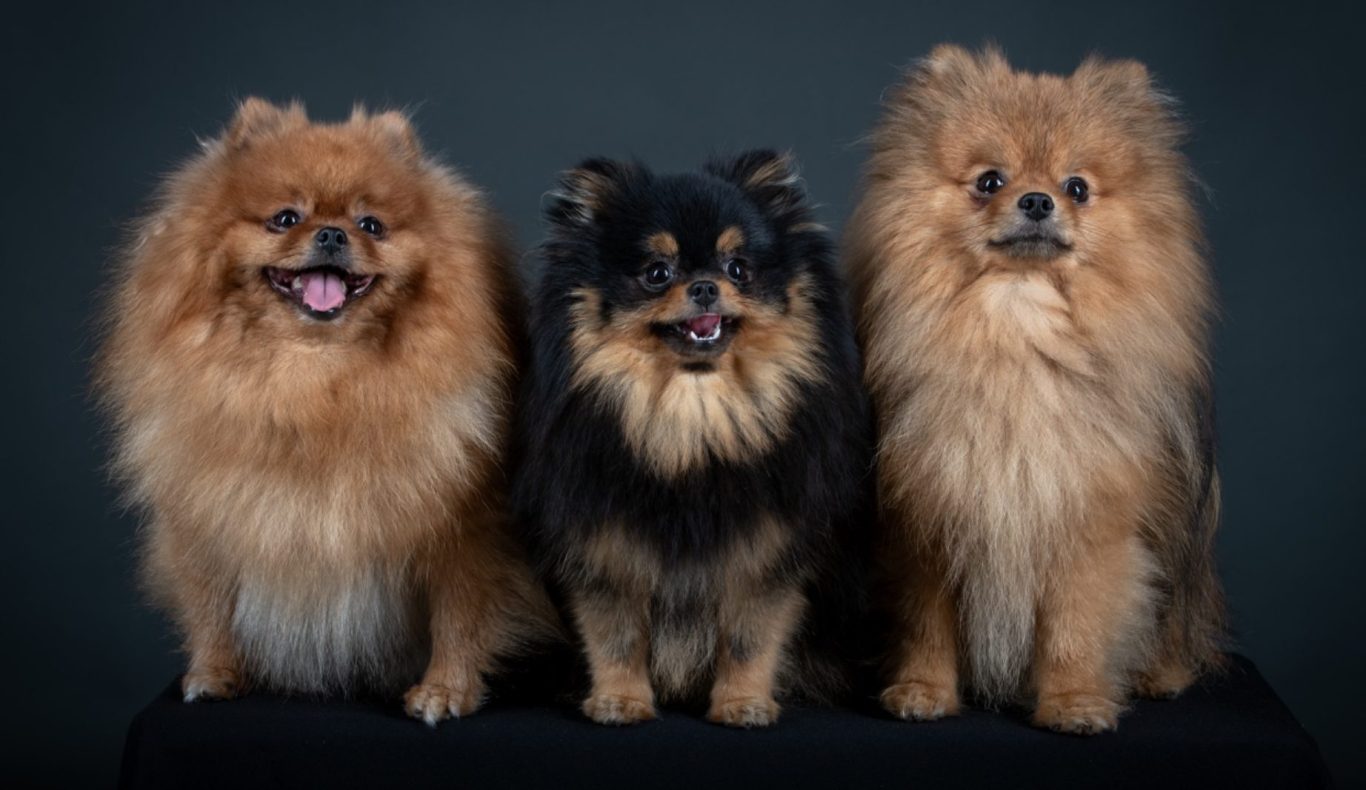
(1032, 171)
(687, 265)
(689, 299)
(306, 272)
(316, 232)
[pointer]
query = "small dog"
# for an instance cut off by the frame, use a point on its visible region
(695, 438)
(1033, 304)
(309, 365)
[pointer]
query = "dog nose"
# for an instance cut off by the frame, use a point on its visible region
(704, 292)
(330, 239)
(1036, 205)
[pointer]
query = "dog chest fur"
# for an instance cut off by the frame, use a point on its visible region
(318, 554)
(1013, 435)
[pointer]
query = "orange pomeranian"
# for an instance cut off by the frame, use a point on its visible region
(309, 365)
(1034, 305)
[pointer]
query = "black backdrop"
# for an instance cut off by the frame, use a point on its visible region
(100, 100)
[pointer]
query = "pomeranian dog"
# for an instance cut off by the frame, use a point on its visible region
(1033, 306)
(309, 364)
(694, 436)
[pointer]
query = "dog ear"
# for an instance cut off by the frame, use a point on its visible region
(1129, 89)
(949, 68)
(257, 117)
(770, 178)
(584, 192)
(393, 127)
(949, 60)
(1114, 77)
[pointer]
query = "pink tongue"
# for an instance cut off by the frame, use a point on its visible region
(703, 325)
(323, 291)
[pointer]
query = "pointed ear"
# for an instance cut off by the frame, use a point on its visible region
(770, 178)
(392, 126)
(582, 193)
(257, 117)
(946, 60)
(950, 66)
(1115, 77)
(1126, 81)
(1128, 88)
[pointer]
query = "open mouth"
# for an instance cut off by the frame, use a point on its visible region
(708, 333)
(1031, 245)
(320, 292)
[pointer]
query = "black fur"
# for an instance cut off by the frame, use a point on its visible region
(576, 471)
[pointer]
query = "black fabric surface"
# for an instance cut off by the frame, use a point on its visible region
(1231, 731)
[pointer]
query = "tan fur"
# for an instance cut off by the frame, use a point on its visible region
(924, 657)
(778, 171)
(663, 244)
(759, 621)
(1037, 437)
(615, 628)
(584, 189)
(313, 488)
(730, 241)
(672, 417)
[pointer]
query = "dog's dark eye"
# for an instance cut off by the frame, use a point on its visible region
(738, 271)
(990, 182)
(658, 275)
(1077, 188)
(372, 226)
(283, 220)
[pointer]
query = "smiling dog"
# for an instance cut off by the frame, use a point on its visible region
(694, 435)
(309, 366)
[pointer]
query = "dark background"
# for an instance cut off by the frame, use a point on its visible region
(101, 100)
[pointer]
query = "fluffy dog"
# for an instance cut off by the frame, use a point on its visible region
(309, 367)
(695, 435)
(1033, 304)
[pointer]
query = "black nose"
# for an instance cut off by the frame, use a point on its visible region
(1036, 205)
(704, 292)
(330, 239)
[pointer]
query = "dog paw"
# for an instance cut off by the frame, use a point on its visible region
(618, 709)
(744, 712)
(434, 702)
(211, 684)
(916, 701)
(1077, 714)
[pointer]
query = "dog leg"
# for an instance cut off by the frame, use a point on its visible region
(756, 627)
(1089, 610)
(924, 676)
(614, 626)
(470, 598)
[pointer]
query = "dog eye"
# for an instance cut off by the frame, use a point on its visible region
(658, 275)
(283, 220)
(738, 271)
(1077, 188)
(372, 226)
(990, 182)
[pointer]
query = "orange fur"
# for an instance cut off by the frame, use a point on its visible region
(1039, 448)
(324, 499)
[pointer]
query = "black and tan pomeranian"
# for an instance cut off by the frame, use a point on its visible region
(695, 439)
(1034, 305)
